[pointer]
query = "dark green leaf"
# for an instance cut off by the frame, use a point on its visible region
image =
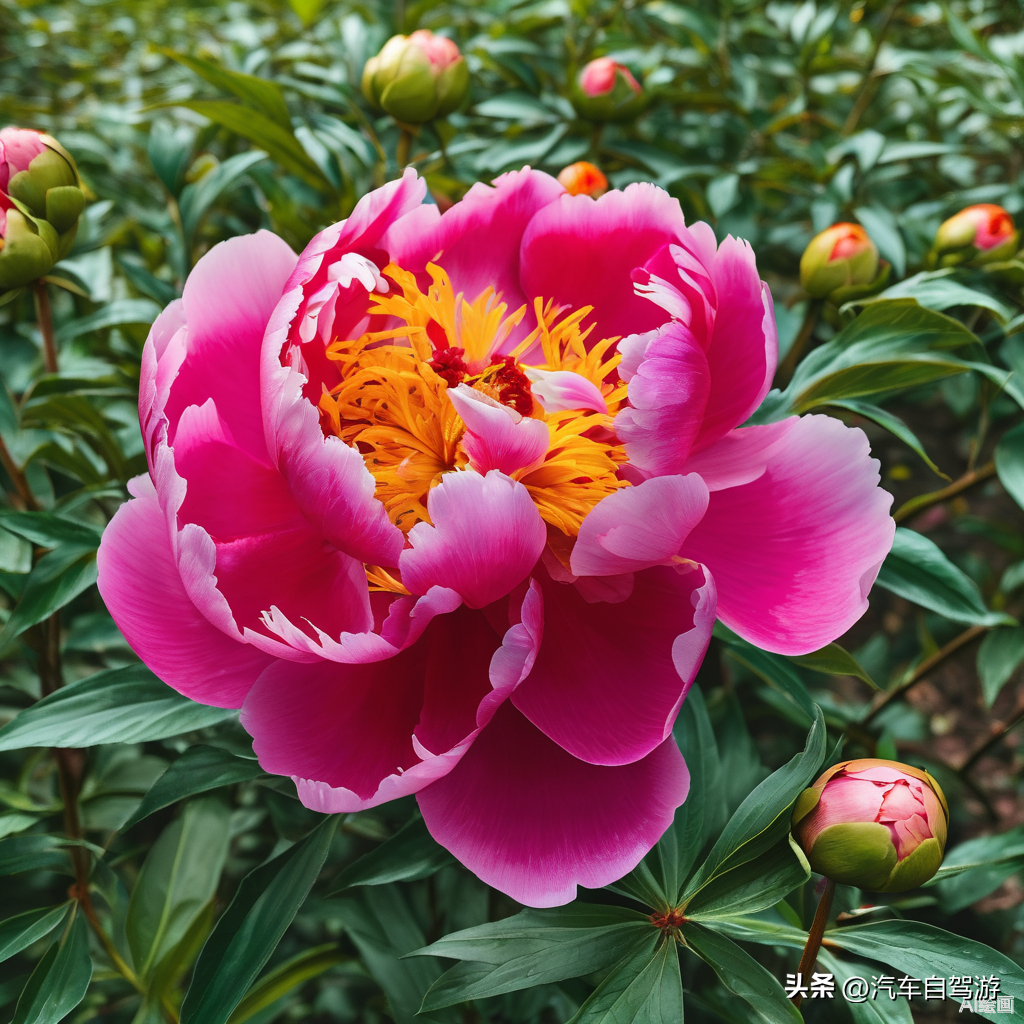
(178, 878)
(48, 530)
(197, 199)
(114, 314)
(779, 675)
(645, 988)
(742, 975)
(409, 854)
(999, 656)
(281, 980)
(871, 1011)
(250, 929)
(37, 852)
(1009, 459)
(834, 660)
(60, 980)
(939, 290)
(918, 570)
(198, 770)
(977, 867)
(19, 932)
(125, 705)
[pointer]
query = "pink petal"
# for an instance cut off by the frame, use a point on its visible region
(532, 821)
(668, 394)
(498, 437)
(141, 586)
(795, 552)
(742, 455)
(582, 252)
(639, 526)
(486, 537)
(610, 677)
(477, 240)
(562, 390)
(228, 299)
(842, 800)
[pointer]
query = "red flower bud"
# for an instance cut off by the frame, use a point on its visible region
(840, 256)
(984, 233)
(583, 179)
(607, 91)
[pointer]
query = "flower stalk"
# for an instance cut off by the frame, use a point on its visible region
(810, 954)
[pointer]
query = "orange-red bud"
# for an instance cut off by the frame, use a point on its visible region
(583, 179)
(983, 232)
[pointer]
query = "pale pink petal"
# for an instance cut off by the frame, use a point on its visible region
(610, 677)
(639, 526)
(498, 437)
(795, 552)
(141, 586)
(485, 539)
(561, 390)
(534, 822)
(742, 455)
(668, 393)
(582, 252)
(843, 799)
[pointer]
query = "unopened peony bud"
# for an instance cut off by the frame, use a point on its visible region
(840, 256)
(40, 202)
(607, 91)
(583, 179)
(982, 234)
(880, 825)
(416, 78)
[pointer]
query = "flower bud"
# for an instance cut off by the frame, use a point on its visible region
(416, 78)
(983, 233)
(41, 200)
(583, 179)
(841, 256)
(607, 91)
(880, 825)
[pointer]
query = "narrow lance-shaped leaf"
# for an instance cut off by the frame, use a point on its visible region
(60, 980)
(20, 931)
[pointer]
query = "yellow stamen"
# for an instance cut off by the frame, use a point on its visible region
(391, 402)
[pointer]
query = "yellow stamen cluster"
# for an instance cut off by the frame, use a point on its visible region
(391, 403)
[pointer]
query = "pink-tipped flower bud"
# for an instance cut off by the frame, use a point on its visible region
(607, 91)
(41, 200)
(583, 179)
(983, 233)
(841, 256)
(879, 825)
(416, 78)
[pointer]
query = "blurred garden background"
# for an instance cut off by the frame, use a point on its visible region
(193, 122)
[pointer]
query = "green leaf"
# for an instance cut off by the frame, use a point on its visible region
(893, 424)
(977, 867)
(60, 980)
(278, 142)
(922, 950)
(19, 932)
(753, 885)
(267, 900)
(196, 199)
(917, 569)
(779, 675)
(742, 975)
(257, 93)
(533, 948)
(645, 988)
(55, 580)
(999, 656)
(834, 660)
(38, 852)
(939, 290)
(198, 770)
(125, 705)
(1009, 460)
(763, 818)
(871, 1011)
(178, 878)
(114, 314)
(411, 853)
(282, 979)
(49, 530)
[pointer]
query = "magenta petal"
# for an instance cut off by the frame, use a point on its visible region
(668, 392)
(228, 300)
(498, 437)
(582, 253)
(485, 539)
(795, 551)
(534, 822)
(610, 677)
(356, 735)
(640, 526)
(742, 455)
(141, 586)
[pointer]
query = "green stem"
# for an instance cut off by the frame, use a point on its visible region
(402, 151)
(814, 937)
(796, 350)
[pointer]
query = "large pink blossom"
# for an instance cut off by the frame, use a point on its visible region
(415, 509)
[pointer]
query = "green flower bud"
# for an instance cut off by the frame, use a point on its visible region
(841, 256)
(879, 825)
(984, 233)
(416, 78)
(607, 91)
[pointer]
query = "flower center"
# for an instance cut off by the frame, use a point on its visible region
(392, 404)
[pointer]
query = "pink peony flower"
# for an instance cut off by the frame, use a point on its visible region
(18, 148)
(415, 509)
